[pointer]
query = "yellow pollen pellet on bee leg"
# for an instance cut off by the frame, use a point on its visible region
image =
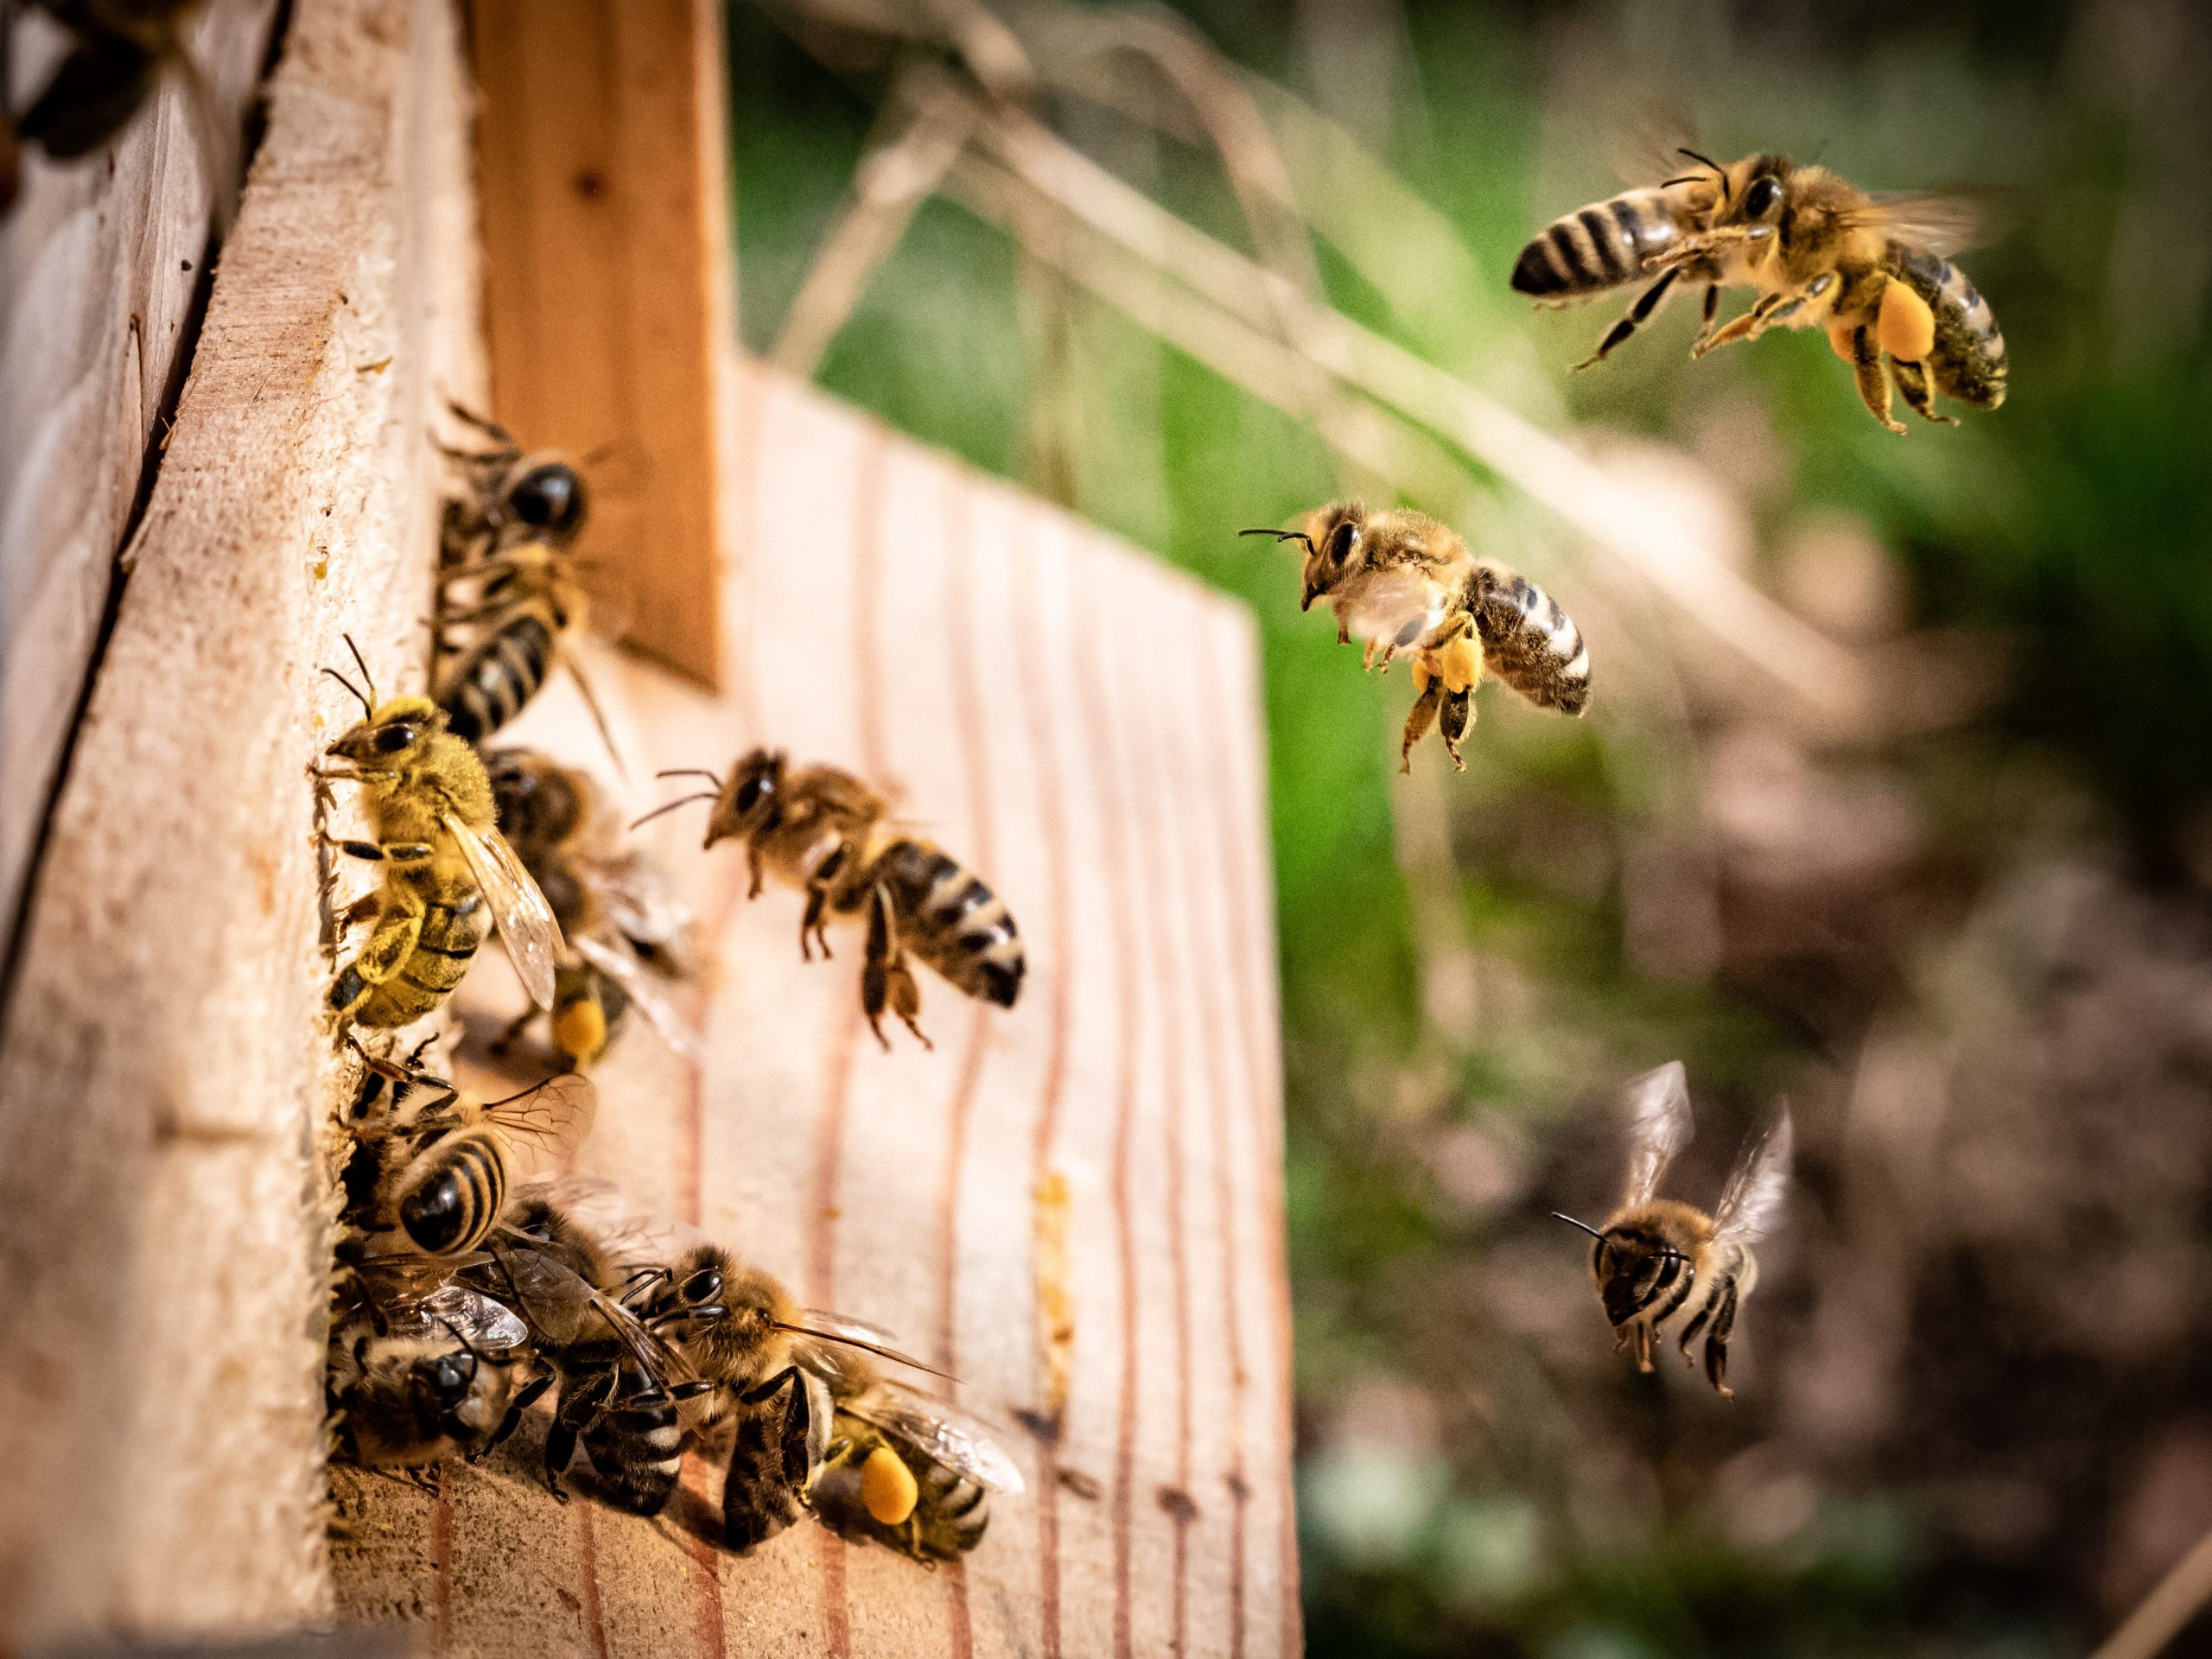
(581, 1032)
(1907, 326)
(888, 1487)
(1839, 341)
(1460, 663)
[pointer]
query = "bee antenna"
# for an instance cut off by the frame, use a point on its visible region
(671, 806)
(361, 663)
(1720, 172)
(467, 1346)
(690, 771)
(1282, 536)
(355, 689)
(1584, 1225)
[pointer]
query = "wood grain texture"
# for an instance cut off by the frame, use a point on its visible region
(1080, 725)
(166, 1062)
(608, 302)
(100, 266)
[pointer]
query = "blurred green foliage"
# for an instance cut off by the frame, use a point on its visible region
(2072, 526)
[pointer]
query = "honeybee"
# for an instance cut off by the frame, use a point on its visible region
(448, 870)
(1400, 580)
(433, 1166)
(624, 926)
(1869, 267)
(1658, 1257)
(509, 496)
(118, 52)
(421, 1378)
(622, 1383)
(823, 831)
(910, 1474)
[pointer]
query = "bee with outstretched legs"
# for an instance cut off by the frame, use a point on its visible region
(1657, 1258)
(624, 926)
(433, 1168)
(1398, 580)
(416, 1378)
(449, 873)
(1871, 269)
(822, 830)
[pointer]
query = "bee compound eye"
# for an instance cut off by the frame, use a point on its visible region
(749, 792)
(1759, 199)
(548, 498)
(392, 739)
(704, 1285)
(448, 1376)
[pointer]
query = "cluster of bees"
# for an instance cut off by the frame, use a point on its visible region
(464, 1295)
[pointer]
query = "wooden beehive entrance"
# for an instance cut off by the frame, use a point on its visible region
(1073, 1205)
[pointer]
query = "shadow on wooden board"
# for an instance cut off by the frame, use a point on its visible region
(1075, 1204)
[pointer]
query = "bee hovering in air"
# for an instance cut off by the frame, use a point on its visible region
(417, 1377)
(1400, 580)
(825, 831)
(449, 873)
(1871, 269)
(1657, 1257)
(627, 933)
(432, 1167)
(118, 52)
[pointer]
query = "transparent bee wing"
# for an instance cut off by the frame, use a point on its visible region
(525, 921)
(1647, 145)
(1944, 222)
(553, 1116)
(1750, 1204)
(476, 1319)
(1658, 1129)
(621, 965)
(543, 1291)
(944, 1434)
(627, 1237)
(642, 905)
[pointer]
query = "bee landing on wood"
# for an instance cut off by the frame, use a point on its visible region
(416, 1378)
(450, 875)
(1400, 580)
(1869, 267)
(822, 830)
(1657, 1257)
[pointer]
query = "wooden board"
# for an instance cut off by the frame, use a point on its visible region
(1082, 726)
(165, 1063)
(608, 300)
(103, 264)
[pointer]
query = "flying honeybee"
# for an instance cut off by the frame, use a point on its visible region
(415, 1379)
(434, 1168)
(118, 52)
(627, 934)
(1869, 267)
(1657, 1257)
(825, 831)
(509, 496)
(448, 870)
(1400, 580)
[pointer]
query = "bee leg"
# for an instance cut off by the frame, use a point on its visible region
(1911, 380)
(809, 925)
(400, 923)
(360, 910)
(1458, 715)
(1712, 312)
(579, 1407)
(529, 1396)
(1638, 315)
(752, 866)
(1751, 325)
(885, 978)
(1643, 1345)
(1423, 714)
(1873, 382)
(1716, 1345)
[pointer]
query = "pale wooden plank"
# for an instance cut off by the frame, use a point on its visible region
(166, 1064)
(609, 301)
(100, 265)
(1080, 724)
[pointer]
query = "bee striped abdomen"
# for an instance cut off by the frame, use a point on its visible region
(497, 675)
(1529, 643)
(453, 927)
(454, 1191)
(960, 927)
(1968, 360)
(1596, 247)
(636, 1446)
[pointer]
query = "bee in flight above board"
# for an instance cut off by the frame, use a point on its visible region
(1872, 268)
(1400, 580)
(1657, 1257)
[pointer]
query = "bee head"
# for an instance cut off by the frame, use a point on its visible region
(752, 800)
(1332, 536)
(548, 497)
(1755, 193)
(392, 735)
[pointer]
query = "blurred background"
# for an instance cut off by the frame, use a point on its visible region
(1896, 800)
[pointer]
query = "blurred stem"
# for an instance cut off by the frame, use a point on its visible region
(2166, 1612)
